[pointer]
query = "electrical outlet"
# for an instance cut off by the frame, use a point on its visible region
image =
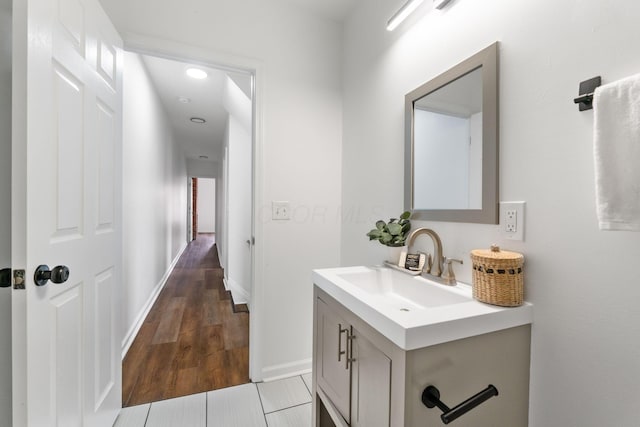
(512, 220)
(280, 211)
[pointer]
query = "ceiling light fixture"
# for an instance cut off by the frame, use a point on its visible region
(197, 120)
(184, 99)
(402, 14)
(196, 73)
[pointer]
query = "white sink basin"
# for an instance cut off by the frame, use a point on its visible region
(403, 291)
(414, 312)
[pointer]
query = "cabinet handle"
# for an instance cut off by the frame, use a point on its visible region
(349, 360)
(340, 332)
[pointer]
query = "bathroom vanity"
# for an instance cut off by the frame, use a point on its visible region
(381, 337)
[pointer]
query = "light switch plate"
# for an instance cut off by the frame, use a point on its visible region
(512, 220)
(280, 211)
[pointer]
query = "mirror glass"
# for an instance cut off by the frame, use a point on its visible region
(451, 166)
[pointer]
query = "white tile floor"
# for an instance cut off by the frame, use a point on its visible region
(282, 403)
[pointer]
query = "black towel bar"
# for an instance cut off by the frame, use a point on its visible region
(431, 398)
(585, 91)
(584, 99)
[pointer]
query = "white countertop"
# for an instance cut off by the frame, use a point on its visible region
(418, 326)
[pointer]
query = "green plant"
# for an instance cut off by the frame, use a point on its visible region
(394, 233)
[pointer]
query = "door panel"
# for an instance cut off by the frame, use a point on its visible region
(71, 21)
(66, 318)
(107, 63)
(106, 124)
(68, 152)
(333, 376)
(371, 384)
(105, 356)
(68, 187)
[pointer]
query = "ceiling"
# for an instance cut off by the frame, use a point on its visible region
(335, 9)
(184, 97)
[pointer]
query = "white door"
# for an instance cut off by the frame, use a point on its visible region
(66, 206)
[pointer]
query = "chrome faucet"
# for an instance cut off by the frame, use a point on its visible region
(436, 269)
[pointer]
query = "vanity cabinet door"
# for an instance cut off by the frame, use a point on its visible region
(371, 384)
(333, 370)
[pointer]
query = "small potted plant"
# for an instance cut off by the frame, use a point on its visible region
(394, 233)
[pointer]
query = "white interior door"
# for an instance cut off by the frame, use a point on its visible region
(66, 206)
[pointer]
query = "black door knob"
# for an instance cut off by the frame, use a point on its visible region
(5, 278)
(59, 274)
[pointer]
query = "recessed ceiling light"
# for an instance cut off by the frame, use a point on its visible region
(197, 120)
(196, 73)
(184, 99)
(203, 157)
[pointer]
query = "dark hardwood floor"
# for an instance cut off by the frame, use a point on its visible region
(194, 339)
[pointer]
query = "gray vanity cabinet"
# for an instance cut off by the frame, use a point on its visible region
(361, 378)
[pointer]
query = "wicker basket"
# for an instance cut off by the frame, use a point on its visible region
(498, 276)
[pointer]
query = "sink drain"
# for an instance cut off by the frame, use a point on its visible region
(404, 309)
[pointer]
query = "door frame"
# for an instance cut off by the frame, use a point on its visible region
(193, 205)
(189, 218)
(206, 57)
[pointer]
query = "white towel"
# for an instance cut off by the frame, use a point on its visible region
(617, 154)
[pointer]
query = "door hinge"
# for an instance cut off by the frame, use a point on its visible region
(18, 279)
(5, 278)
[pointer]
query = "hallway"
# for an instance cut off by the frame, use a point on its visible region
(193, 339)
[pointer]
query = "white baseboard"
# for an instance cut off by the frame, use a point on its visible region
(239, 294)
(286, 370)
(135, 328)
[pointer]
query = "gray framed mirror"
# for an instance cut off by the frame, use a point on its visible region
(451, 143)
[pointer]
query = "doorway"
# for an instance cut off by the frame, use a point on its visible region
(216, 134)
(162, 252)
(202, 206)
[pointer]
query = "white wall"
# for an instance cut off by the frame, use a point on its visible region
(155, 194)
(583, 282)
(238, 179)
(206, 205)
(203, 168)
(5, 209)
(300, 139)
(223, 207)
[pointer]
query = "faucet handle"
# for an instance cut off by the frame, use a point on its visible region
(428, 262)
(448, 276)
